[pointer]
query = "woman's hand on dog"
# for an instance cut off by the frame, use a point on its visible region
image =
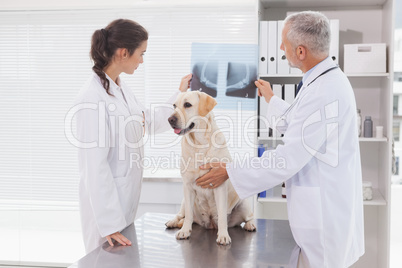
(216, 176)
(185, 83)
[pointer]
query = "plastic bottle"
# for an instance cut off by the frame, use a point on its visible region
(367, 190)
(368, 127)
(359, 122)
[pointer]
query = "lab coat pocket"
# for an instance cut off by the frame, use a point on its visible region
(305, 208)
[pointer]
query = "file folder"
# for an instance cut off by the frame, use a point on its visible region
(277, 89)
(263, 62)
(334, 45)
(263, 126)
(283, 66)
(289, 93)
(272, 46)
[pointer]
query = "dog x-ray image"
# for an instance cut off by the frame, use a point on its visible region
(205, 77)
(240, 80)
(226, 72)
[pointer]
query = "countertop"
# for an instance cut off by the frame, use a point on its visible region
(155, 246)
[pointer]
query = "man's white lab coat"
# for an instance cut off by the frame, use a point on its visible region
(110, 130)
(320, 163)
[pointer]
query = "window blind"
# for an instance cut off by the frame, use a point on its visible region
(44, 61)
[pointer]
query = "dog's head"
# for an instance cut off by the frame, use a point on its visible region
(189, 110)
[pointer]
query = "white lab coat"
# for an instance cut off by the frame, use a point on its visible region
(320, 163)
(111, 168)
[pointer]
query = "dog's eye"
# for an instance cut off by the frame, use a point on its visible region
(174, 106)
(187, 105)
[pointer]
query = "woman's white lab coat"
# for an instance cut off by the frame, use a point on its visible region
(320, 163)
(110, 131)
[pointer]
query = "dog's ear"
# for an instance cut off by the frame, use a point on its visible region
(206, 104)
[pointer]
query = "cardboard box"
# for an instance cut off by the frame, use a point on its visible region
(365, 58)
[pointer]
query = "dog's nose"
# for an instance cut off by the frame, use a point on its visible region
(172, 120)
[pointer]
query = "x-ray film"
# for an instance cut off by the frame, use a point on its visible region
(226, 72)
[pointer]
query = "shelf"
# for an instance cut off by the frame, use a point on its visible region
(312, 3)
(281, 79)
(373, 139)
(274, 199)
(368, 75)
(269, 139)
(385, 139)
(347, 74)
(378, 199)
(281, 75)
(363, 21)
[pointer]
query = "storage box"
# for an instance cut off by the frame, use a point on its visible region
(365, 58)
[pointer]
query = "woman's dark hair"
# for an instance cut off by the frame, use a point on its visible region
(119, 33)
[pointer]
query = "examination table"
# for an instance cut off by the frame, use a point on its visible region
(155, 246)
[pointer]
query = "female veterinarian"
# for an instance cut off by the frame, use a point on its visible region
(110, 126)
(321, 152)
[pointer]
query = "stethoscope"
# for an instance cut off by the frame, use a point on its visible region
(130, 112)
(283, 116)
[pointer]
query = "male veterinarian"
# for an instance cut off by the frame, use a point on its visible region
(321, 152)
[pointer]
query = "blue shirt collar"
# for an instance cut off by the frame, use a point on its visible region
(311, 70)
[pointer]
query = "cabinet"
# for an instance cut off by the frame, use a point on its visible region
(360, 21)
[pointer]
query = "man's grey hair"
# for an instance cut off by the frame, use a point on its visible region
(309, 29)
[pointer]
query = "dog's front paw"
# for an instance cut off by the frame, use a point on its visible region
(223, 238)
(175, 223)
(250, 226)
(183, 234)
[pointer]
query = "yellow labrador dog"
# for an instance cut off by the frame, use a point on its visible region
(203, 142)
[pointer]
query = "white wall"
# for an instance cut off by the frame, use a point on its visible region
(102, 4)
(162, 196)
(398, 51)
